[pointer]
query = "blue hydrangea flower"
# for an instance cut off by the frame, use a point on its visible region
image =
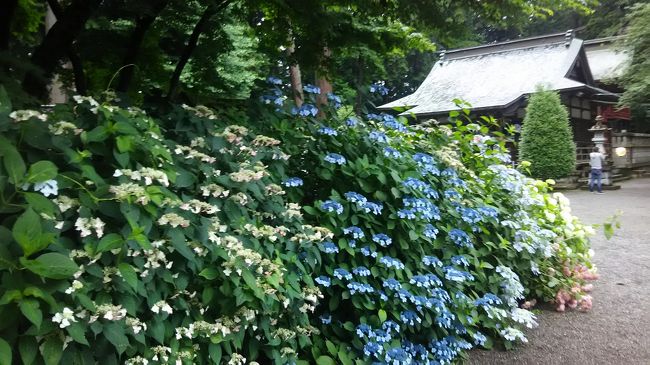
(432, 261)
(488, 299)
(382, 239)
(305, 110)
(452, 194)
(335, 158)
(324, 281)
(390, 327)
(392, 123)
(415, 184)
(455, 275)
(356, 287)
(423, 207)
(392, 284)
(427, 164)
(366, 251)
(329, 247)
(332, 206)
(371, 207)
(479, 338)
(382, 296)
(361, 271)
(381, 336)
(392, 153)
(425, 281)
(342, 274)
(460, 238)
(326, 318)
(391, 262)
(459, 260)
(410, 318)
(397, 356)
(327, 131)
(430, 231)
(47, 188)
(311, 89)
(378, 137)
(355, 231)
(469, 215)
(488, 212)
(363, 330)
(445, 318)
(406, 214)
(353, 197)
(372, 349)
(378, 88)
(292, 182)
(334, 99)
(352, 243)
(351, 122)
(276, 97)
(404, 295)
(273, 80)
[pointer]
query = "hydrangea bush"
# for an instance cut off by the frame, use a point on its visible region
(195, 238)
(121, 246)
(439, 244)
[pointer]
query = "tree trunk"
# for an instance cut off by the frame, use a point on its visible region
(294, 74)
(359, 84)
(142, 25)
(75, 60)
(209, 12)
(322, 82)
(56, 44)
(6, 16)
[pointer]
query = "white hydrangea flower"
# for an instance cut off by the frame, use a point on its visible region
(64, 318)
(162, 306)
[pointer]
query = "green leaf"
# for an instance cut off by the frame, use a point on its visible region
(5, 102)
(31, 309)
(325, 360)
(215, 353)
(40, 203)
(76, 331)
(129, 275)
(553, 282)
(124, 143)
(5, 353)
(382, 315)
(13, 162)
(109, 242)
(27, 231)
(28, 349)
(114, 333)
(52, 351)
(209, 273)
(42, 171)
(51, 265)
(331, 347)
(345, 359)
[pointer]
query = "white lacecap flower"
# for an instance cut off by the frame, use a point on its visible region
(64, 318)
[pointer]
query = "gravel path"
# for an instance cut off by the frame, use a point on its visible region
(617, 330)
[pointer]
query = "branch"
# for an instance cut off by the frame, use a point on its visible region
(209, 12)
(56, 45)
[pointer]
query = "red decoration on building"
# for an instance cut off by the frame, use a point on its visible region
(611, 112)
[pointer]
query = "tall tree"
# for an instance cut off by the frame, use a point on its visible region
(636, 78)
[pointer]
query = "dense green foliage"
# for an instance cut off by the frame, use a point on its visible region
(636, 78)
(546, 137)
(128, 239)
(156, 50)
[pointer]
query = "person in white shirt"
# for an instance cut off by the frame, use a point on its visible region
(596, 160)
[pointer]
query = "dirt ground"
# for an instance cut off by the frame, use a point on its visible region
(617, 330)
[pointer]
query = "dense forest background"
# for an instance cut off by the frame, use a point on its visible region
(217, 52)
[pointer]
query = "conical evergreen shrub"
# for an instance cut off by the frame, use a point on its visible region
(546, 137)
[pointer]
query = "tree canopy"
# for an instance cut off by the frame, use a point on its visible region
(198, 50)
(636, 78)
